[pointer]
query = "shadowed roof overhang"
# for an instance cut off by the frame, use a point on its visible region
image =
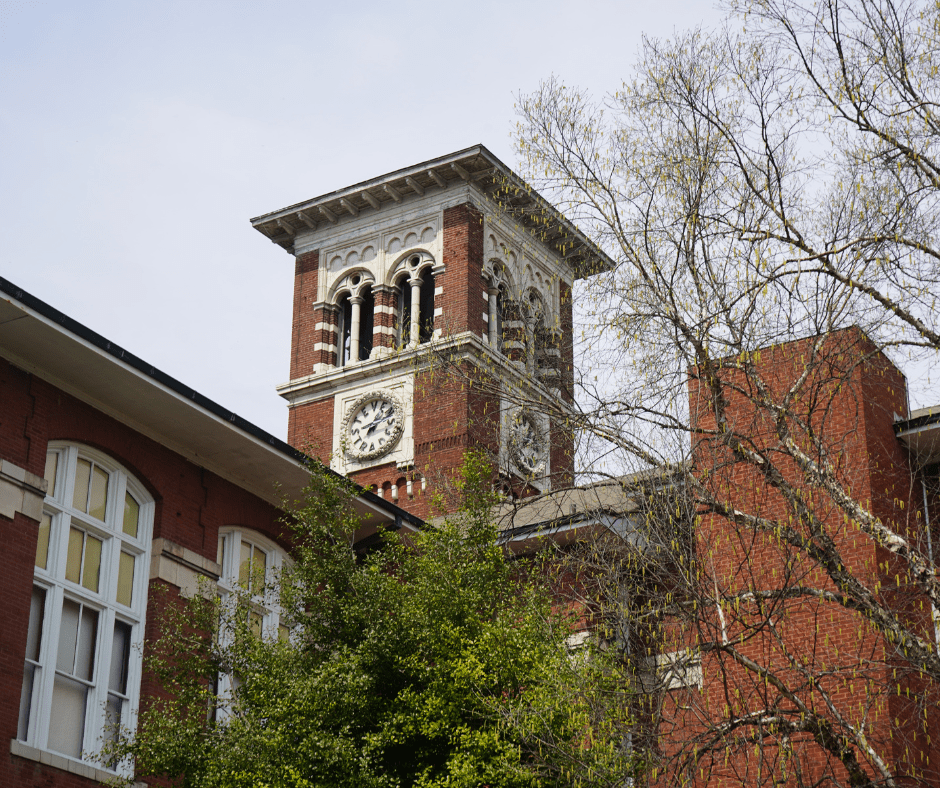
(921, 434)
(475, 166)
(43, 341)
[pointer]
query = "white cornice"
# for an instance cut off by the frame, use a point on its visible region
(465, 346)
(298, 226)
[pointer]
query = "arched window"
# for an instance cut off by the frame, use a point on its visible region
(83, 652)
(251, 565)
(414, 291)
(356, 318)
(403, 312)
(344, 330)
(537, 334)
(500, 316)
(426, 321)
(366, 322)
(250, 562)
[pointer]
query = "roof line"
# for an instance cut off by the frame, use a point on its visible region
(376, 180)
(912, 424)
(512, 181)
(199, 400)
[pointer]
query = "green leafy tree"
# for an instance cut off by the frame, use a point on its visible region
(434, 660)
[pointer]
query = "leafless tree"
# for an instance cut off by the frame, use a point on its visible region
(769, 192)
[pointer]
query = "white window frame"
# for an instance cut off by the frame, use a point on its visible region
(229, 555)
(39, 681)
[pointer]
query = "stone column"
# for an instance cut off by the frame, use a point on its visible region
(356, 302)
(415, 310)
(493, 324)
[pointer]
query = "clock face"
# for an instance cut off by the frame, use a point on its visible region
(373, 427)
(527, 444)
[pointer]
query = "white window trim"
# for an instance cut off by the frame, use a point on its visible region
(680, 669)
(52, 581)
(276, 560)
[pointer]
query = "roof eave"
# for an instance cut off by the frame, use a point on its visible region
(57, 348)
(475, 166)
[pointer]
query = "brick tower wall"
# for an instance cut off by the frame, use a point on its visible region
(850, 398)
(452, 412)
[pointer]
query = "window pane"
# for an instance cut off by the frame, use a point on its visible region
(125, 588)
(258, 569)
(254, 622)
(244, 568)
(42, 543)
(87, 641)
(33, 647)
(131, 515)
(92, 567)
(26, 701)
(220, 553)
(112, 722)
(120, 654)
(82, 477)
(73, 563)
(68, 636)
(52, 462)
(67, 725)
(37, 607)
(99, 493)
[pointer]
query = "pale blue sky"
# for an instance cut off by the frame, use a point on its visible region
(138, 138)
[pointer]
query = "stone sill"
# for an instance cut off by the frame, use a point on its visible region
(66, 764)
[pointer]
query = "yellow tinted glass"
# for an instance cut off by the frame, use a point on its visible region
(42, 543)
(92, 564)
(52, 462)
(125, 589)
(131, 515)
(258, 567)
(244, 566)
(73, 560)
(220, 553)
(82, 476)
(99, 493)
(255, 621)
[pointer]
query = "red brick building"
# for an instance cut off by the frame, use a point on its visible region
(432, 313)
(811, 654)
(114, 479)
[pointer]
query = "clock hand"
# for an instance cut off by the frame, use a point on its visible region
(376, 423)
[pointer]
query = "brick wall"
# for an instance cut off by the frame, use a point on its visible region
(849, 400)
(462, 300)
(310, 428)
(302, 358)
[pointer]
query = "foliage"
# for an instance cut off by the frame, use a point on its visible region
(402, 667)
(768, 193)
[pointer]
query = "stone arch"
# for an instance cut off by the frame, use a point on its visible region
(402, 264)
(345, 284)
(418, 264)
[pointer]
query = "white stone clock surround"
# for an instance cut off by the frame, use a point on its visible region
(401, 388)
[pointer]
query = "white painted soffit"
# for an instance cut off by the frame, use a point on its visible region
(49, 344)
(476, 166)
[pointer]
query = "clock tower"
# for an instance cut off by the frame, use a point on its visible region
(432, 314)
